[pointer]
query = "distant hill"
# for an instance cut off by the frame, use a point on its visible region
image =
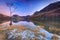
(50, 13)
(4, 17)
(17, 18)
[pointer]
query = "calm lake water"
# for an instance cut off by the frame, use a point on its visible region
(52, 27)
(47, 27)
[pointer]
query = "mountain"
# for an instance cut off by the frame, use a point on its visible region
(51, 6)
(17, 18)
(51, 13)
(4, 17)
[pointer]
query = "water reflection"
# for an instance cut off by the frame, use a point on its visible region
(32, 26)
(52, 27)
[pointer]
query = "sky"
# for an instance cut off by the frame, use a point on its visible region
(23, 7)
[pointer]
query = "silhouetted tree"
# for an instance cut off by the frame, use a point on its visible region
(10, 4)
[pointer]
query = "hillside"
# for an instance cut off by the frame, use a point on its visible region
(4, 18)
(50, 13)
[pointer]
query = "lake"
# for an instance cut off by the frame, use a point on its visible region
(49, 28)
(53, 27)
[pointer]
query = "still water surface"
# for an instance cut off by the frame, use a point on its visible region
(53, 27)
(46, 27)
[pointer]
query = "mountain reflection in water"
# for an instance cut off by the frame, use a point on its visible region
(28, 31)
(52, 27)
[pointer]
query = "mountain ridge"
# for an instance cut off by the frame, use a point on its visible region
(51, 12)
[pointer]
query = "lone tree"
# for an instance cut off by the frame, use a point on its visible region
(12, 9)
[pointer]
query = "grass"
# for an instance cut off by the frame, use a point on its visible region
(3, 35)
(36, 32)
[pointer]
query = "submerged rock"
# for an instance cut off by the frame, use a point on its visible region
(16, 34)
(22, 35)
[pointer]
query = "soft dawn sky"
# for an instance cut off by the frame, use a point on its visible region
(24, 7)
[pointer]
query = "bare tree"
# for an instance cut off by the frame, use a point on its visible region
(11, 6)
